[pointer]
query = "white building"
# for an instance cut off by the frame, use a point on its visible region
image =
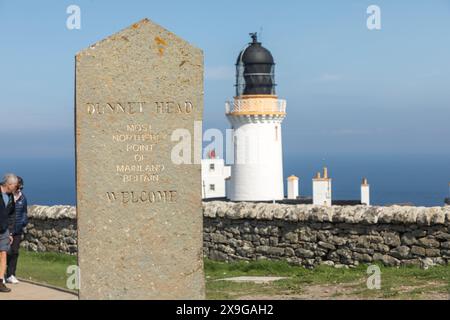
(256, 115)
(322, 189)
(214, 176)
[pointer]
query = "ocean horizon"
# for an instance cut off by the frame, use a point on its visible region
(420, 180)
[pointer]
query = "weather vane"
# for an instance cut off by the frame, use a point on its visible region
(254, 36)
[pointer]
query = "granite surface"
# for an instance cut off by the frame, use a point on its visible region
(139, 212)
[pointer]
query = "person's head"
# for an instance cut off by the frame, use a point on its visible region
(10, 183)
(20, 186)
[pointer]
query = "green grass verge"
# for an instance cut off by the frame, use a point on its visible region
(47, 268)
(321, 282)
(328, 282)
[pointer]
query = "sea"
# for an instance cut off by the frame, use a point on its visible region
(421, 180)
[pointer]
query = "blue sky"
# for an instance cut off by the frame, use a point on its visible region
(348, 89)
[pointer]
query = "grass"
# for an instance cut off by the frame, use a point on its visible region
(47, 268)
(327, 282)
(322, 282)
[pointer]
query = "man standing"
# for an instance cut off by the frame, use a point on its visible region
(21, 221)
(7, 208)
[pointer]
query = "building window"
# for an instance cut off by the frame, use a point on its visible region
(212, 167)
(212, 187)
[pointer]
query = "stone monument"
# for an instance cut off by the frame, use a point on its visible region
(139, 212)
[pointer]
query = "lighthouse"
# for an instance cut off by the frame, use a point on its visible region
(256, 115)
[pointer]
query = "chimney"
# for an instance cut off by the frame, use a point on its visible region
(292, 183)
(365, 192)
(325, 173)
(322, 189)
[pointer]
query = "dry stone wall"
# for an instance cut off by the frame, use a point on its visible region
(300, 234)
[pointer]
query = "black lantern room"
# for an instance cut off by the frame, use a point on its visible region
(255, 70)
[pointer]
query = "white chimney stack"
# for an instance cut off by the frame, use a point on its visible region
(322, 189)
(292, 183)
(365, 192)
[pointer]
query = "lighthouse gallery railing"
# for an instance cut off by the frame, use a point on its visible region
(255, 105)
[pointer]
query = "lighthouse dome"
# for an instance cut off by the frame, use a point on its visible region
(255, 70)
(255, 53)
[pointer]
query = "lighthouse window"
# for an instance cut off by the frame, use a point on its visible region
(212, 167)
(276, 133)
(212, 187)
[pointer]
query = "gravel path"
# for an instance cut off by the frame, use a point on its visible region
(28, 291)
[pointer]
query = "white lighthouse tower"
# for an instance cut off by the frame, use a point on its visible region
(256, 115)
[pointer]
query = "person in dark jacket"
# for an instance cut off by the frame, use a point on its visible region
(21, 221)
(8, 186)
